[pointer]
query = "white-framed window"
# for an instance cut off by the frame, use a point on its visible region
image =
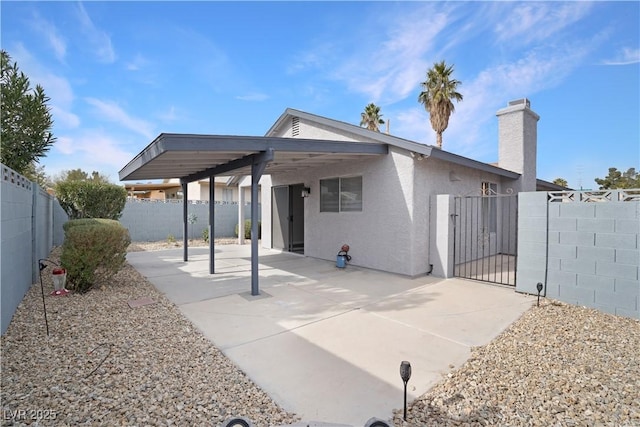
(490, 207)
(341, 194)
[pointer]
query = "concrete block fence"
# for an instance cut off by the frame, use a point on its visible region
(584, 247)
(154, 220)
(31, 225)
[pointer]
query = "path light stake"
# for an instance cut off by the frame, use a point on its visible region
(42, 267)
(539, 287)
(405, 374)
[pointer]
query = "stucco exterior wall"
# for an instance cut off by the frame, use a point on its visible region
(392, 233)
(380, 236)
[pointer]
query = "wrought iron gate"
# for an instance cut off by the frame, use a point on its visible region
(485, 237)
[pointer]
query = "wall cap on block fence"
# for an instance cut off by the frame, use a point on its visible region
(626, 195)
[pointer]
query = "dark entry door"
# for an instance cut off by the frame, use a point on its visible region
(287, 216)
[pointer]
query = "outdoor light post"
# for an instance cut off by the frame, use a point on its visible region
(539, 288)
(405, 374)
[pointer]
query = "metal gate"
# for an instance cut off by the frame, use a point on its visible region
(485, 237)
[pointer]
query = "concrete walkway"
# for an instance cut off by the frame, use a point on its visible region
(326, 343)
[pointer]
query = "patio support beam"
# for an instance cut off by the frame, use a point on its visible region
(212, 227)
(185, 227)
(257, 168)
(222, 169)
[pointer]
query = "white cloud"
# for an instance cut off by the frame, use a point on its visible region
(51, 34)
(170, 115)
(626, 56)
(99, 40)
(89, 150)
(537, 21)
(63, 118)
(255, 96)
(57, 88)
(137, 63)
(112, 112)
(388, 70)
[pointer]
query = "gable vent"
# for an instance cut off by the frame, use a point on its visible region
(295, 126)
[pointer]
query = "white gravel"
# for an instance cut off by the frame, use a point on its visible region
(105, 363)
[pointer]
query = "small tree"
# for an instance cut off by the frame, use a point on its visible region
(80, 175)
(561, 182)
(617, 179)
(25, 131)
(88, 199)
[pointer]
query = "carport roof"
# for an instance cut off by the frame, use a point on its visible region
(192, 157)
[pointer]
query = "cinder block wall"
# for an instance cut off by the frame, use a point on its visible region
(31, 224)
(150, 221)
(584, 249)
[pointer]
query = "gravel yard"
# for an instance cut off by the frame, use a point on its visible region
(558, 365)
(105, 363)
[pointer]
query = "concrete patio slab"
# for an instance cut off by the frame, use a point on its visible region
(327, 343)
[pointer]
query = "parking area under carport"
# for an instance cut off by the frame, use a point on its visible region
(324, 342)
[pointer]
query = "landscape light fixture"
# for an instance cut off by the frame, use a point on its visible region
(405, 374)
(539, 287)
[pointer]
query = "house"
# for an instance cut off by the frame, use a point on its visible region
(326, 183)
(226, 190)
(382, 206)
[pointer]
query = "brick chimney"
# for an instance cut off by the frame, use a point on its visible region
(518, 141)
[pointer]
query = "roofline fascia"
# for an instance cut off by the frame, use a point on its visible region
(412, 146)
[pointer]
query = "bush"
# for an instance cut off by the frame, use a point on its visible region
(93, 250)
(88, 199)
(205, 235)
(247, 229)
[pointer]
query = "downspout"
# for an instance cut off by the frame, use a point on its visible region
(185, 227)
(546, 263)
(211, 224)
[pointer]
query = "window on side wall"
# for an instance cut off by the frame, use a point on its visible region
(341, 194)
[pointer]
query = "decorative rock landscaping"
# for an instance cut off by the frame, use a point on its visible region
(123, 354)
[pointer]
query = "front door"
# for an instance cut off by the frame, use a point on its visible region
(287, 216)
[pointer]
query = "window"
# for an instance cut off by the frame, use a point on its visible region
(489, 207)
(341, 194)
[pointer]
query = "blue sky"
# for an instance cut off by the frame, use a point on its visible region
(120, 73)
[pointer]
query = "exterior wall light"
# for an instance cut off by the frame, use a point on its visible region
(306, 191)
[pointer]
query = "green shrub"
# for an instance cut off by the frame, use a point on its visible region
(93, 251)
(247, 229)
(205, 235)
(88, 199)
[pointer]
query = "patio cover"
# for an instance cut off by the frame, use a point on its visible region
(195, 157)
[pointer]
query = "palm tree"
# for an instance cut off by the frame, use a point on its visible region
(438, 92)
(371, 117)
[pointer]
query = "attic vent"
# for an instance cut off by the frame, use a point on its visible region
(295, 126)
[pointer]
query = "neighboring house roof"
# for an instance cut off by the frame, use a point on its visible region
(151, 186)
(549, 186)
(412, 146)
